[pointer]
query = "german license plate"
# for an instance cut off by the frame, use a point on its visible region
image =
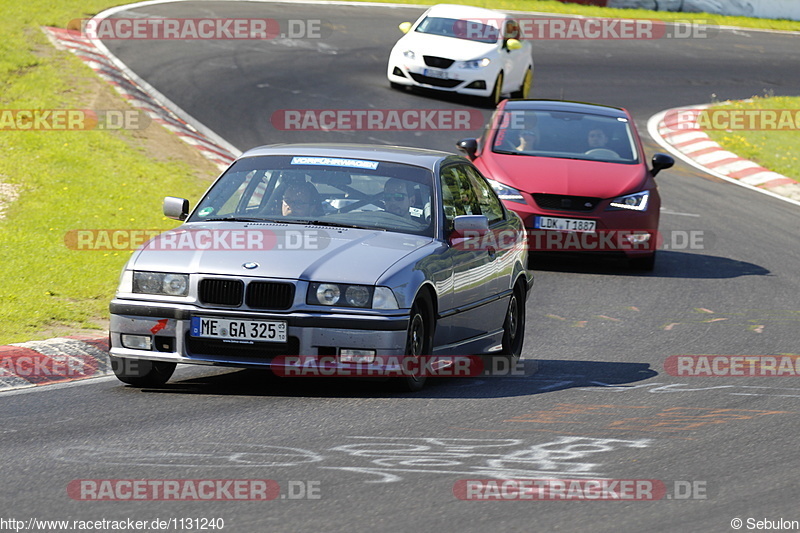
(434, 73)
(564, 224)
(246, 330)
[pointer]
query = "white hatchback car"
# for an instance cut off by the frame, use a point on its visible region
(465, 50)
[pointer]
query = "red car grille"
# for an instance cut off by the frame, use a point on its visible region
(556, 202)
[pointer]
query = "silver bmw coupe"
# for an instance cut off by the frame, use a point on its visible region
(351, 255)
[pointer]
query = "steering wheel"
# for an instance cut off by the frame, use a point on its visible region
(602, 152)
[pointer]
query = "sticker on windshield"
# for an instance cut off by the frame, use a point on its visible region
(335, 162)
(205, 211)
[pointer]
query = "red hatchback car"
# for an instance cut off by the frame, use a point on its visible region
(576, 174)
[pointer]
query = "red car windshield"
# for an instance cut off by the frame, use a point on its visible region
(566, 135)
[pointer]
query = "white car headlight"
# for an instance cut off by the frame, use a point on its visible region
(633, 202)
(161, 283)
(504, 192)
(409, 54)
(475, 63)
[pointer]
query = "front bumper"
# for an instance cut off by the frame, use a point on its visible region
(476, 82)
(617, 233)
(308, 334)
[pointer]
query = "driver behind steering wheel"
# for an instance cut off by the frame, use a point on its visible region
(398, 197)
(597, 138)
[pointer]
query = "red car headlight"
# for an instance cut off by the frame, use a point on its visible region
(633, 202)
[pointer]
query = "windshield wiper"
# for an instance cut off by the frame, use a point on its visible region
(241, 219)
(339, 225)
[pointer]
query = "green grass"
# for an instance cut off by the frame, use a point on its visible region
(775, 150)
(68, 180)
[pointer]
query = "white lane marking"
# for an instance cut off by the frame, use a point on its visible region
(56, 386)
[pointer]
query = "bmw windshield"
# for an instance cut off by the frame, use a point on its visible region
(324, 191)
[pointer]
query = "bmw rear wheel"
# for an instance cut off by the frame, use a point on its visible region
(514, 325)
(504, 362)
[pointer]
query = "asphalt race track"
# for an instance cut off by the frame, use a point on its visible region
(349, 456)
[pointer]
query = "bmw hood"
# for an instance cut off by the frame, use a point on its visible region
(346, 255)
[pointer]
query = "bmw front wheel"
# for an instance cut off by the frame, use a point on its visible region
(419, 340)
(142, 372)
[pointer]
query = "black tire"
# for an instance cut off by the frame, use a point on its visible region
(525, 88)
(644, 264)
(397, 86)
(514, 324)
(497, 93)
(504, 362)
(419, 341)
(142, 372)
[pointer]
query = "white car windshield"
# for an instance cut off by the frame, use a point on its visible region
(324, 191)
(485, 31)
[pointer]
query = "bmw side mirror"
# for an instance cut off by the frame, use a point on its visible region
(176, 208)
(477, 224)
(661, 162)
(467, 228)
(404, 27)
(469, 146)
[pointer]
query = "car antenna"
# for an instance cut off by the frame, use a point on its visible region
(562, 94)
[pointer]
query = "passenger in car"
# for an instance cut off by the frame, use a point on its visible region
(528, 140)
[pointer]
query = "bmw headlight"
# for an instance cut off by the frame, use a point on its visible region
(475, 63)
(384, 298)
(634, 202)
(346, 295)
(506, 193)
(340, 294)
(161, 283)
(125, 281)
(357, 295)
(326, 294)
